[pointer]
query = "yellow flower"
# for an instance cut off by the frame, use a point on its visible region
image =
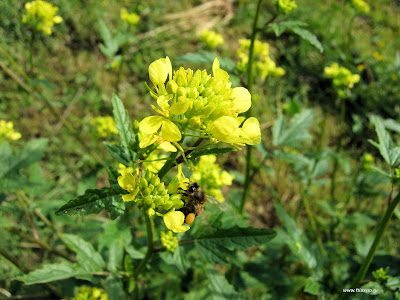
(131, 19)
(159, 71)
(285, 6)
(341, 76)
(174, 221)
(361, 67)
(7, 132)
(129, 183)
(105, 125)
(361, 7)
(169, 131)
(211, 38)
(41, 16)
(123, 170)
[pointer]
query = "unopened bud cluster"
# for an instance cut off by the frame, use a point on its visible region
(169, 241)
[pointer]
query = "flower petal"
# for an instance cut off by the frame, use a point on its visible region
(151, 124)
(174, 220)
(241, 99)
(170, 132)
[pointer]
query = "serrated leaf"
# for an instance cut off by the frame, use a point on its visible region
(119, 153)
(94, 201)
(115, 289)
(308, 36)
(53, 272)
(87, 256)
(220, 287)
(296, 132)
(219, 246)
(122, 121)
(208, 58)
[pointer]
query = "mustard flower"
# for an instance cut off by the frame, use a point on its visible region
(41, 16)
(129, 183)
(264, 65)
(156, 165)
(123, 170)
(361, 7)
(210, 177)
(169, 241)
(341, 76)
(211, 38)
(7, 132)
(174, 220)
(285, 6)
(195, 101)
(105, 125)
(89, 293)
(130, 18)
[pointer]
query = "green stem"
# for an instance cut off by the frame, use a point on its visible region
(379, 234)
(120, 67)
(248, 113)
(338, 149)
(349, 36)
(31, 45)
(150, 246)
(313, 224)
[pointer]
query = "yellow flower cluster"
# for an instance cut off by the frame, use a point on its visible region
(41, 16)
(211, 38)
(198, 102)
(130, 18)
(105, 125)
(341, 76)
(169, 241)
(361, 7)
(264, 65)
(210, 177)
(7, 132)
(89, 293)
(285, 6)
(378, 56)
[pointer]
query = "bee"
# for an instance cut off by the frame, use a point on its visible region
(195, 199)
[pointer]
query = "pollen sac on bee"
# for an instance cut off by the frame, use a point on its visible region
(190, 218)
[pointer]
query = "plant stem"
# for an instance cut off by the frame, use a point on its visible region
(21, 199)
(150, 246)
(313, 224)
(31, 45)
(248, 113)
(379, 234)
(338, 149)
(120, 67)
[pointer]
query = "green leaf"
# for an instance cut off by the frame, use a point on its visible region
(115, 288)
(217, 246)
(208, 58)
(295, 133)
(312, 286)
(308, 36)
(110, 46)
(88, 258)
(28, 154)
(220, 287)
(296, 28)
(389, 153)
(280, 27)
(119, 153)
(122, 121)
(94, 201)
(48, 273)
